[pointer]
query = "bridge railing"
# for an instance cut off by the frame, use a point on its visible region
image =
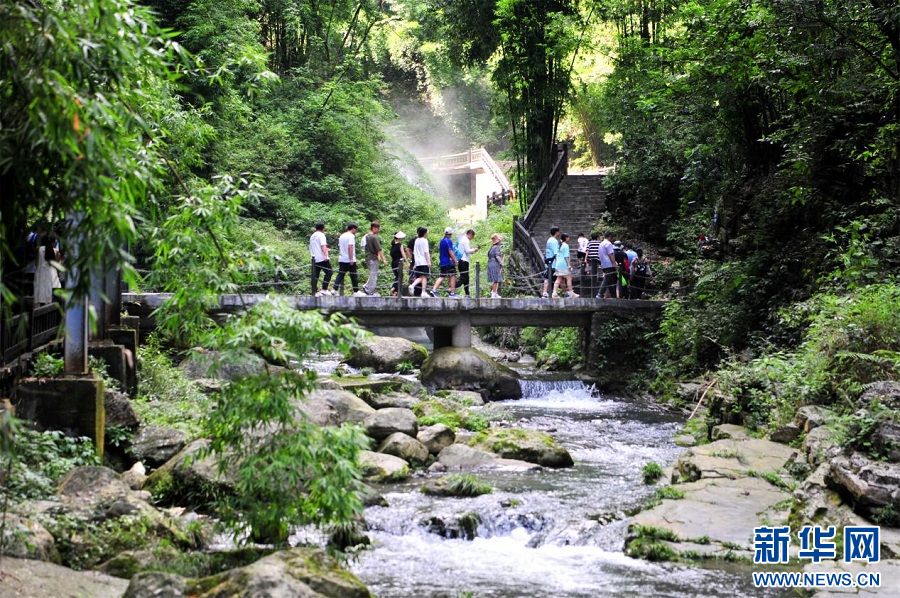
(495, 170)
(540, 201)
(525, 244)
(29, 330)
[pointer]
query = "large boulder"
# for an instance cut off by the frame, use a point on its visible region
(403, 446)
(154, 445)
(525, 445)
(204, 364)
(380, 467)
(393, 399)
(27, 577)
(384, 422)
(463, 368)
(886, 392)
(300, 572)
(386, 353)
(436, 438)
(119, 410)
(187, 475)
(460, 457)
(870, 486)
(335, 407)
(26, 539)
(91, 485)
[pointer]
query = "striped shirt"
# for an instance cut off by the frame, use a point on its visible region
(593, 250)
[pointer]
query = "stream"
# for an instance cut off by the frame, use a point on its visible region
(550, 533)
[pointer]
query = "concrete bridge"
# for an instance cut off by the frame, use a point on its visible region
(451, 319)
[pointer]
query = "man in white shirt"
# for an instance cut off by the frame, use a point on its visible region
(318, 249)
(421, 262)
(347, 259)
(466, 252)
(607, 264)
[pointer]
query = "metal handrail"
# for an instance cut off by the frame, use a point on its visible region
(540, 201)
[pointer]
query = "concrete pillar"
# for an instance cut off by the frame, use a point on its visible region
(76, 356)
(73, 404)
(462, 333)
(98, 306)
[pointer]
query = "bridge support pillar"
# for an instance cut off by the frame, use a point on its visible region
(457, 335)
(462, 333)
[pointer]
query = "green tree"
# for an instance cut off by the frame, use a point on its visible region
(84, 90)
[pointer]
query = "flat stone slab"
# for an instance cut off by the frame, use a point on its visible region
(462, 457)
(28, 578)
(733, 458)
(724, 510)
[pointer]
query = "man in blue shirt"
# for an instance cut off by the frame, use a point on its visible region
(448, 264)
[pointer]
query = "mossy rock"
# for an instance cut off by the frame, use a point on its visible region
(524, 445)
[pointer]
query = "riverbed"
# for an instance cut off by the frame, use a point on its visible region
(551, 533)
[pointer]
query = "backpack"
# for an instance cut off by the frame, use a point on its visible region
(642, 268)
(458, 252)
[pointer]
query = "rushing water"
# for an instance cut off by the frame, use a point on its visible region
(550, 533)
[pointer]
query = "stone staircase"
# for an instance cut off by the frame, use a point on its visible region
(575, 207)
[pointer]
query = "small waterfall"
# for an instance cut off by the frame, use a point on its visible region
(538, 389)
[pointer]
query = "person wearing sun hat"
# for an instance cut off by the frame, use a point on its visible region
(398, 256)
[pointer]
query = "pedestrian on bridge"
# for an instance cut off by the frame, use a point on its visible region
(550, 251)
(399, 255)
(563, 268)
(495, 265)
(448, 264)
(608, 265)
(347, 259)
(318, 249)
(374, 255)
(421, 262)
(466, 251)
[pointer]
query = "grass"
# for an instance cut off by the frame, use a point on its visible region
(651, 472)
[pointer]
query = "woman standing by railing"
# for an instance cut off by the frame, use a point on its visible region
(495, 265)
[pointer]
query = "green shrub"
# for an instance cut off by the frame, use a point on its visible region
(46, 365)
(651, 472)
(39, 459)
(165, 397)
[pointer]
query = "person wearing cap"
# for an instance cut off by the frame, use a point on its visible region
(318, 249)
(399, 255)
(608, 265)
(448, 263)
(347, 259)
(466, 252)
(374, 255)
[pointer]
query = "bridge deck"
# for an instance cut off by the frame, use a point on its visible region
(441, 311)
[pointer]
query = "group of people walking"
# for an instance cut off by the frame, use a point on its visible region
(453, 258)
(626, 271)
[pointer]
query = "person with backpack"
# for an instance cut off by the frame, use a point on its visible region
(399, 254)
(641, 273)
(448, 263)
(464, 252)
(622, 270)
